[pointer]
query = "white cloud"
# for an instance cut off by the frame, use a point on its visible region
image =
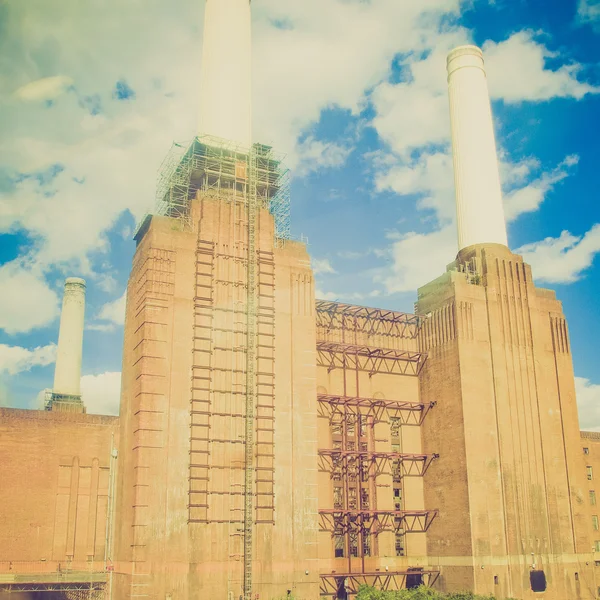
(429, 177)
(346, 296)
(90, 134)
(562, 259)
(517, 71)
(26, 301)
(324, 39)
(14, 359)
(47, 88)
(588, 11)
(114, 311)
(106, 282)
(418, 258)
(315, 155)
(321, 266)
(104, 327)
(101, 394)
(412, 118)
(529, 198)
(322, 295)
(588, 403)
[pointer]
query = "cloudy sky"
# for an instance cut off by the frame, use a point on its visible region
(92, 95)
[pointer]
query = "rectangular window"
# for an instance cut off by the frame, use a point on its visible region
(351, 426)
(366, 544)
(597, 546)
(395, 426)
(592, 497)
(362, 425)
(590, 473)
(352, 504)
(364, 499)
(397, 499)
(396, 473)
(353, 544)
(595, 522)
(339, 546)
(338, 497)
(399, 544)
(586, 450)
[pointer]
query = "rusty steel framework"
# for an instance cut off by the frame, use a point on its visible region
(407, 413)
(373, 464)
(369, 321)
(342, 521)
(358, 339)
(383, 580)
(335, 355)
(71, 591)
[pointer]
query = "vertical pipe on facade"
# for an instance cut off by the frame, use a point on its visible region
(479, 209)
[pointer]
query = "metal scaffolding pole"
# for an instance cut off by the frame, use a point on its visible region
(252, 306)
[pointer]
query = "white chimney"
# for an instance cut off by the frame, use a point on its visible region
(67, 374)
(479, 210)
(226, 85)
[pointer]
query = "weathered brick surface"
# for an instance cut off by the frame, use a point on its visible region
(53, 484)
(510, 481)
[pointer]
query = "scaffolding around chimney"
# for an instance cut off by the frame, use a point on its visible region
(221, 169)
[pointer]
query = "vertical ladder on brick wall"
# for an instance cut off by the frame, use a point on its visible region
(265, 390)
(251, 308)
(201, 383)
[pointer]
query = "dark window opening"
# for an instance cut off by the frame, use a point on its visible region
(366, 544)
(576, 576)
(538, 581)
(586, 450)
(351, 427)
(362, 425)
(342, 594)
(338, 497)
(414, 580)
(496, 580)
(397, 499)
(364, 499)
(399, 544)
(339, 546)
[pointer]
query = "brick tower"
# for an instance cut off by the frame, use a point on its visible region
(509, 484)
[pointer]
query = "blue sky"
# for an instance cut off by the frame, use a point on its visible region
(354, 93)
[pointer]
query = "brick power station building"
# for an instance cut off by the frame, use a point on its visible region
(269, 444)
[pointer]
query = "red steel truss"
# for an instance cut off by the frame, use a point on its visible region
(334, 355)
(374, 464)
(408, 413)
(383, 580)
(371, 321)
(341, 521)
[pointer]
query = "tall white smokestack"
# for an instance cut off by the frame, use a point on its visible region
(480, 214)
(226, 84)
(67, 374)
